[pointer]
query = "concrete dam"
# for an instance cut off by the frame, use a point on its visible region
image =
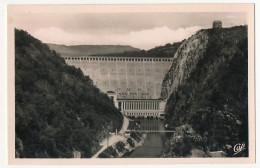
(134, 83)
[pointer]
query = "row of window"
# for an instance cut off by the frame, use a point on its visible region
(137, 89)
(148, 70)
(141, 114)
(124, 83)
(133, 93)
(118, 59)
(136, 97)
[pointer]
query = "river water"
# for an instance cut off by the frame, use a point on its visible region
(153, 143)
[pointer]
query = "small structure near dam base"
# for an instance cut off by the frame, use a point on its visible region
(138, 108)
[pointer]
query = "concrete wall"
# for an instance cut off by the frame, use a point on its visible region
(128, 77)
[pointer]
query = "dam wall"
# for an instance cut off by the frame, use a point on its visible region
(128, 77)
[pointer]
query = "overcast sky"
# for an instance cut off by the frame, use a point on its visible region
(141, 30)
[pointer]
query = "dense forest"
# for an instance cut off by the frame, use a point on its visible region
(85, 50)
(57, 109)
(167, 50)
(212, 102)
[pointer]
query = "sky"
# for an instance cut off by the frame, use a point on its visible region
(140, 30)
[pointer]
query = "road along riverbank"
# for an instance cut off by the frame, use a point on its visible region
(138, 142)
(113, 138)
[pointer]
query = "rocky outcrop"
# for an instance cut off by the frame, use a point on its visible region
(207, 88)
(185, 142)
(185, 61)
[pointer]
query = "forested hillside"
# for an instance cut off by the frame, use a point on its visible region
(160, 51)
(57, 109)
(207, 90)
(84, 50)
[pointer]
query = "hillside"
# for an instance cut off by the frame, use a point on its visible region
(207, 88)
(57, 109)
(84, 50)
(160, 51)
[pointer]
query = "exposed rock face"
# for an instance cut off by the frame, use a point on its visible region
(207, 88)
(182, 142)
(185, 61)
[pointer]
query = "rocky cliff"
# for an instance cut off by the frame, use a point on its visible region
(185, 61)
(206, 88)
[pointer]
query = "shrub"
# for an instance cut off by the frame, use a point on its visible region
(120, 146)
(130, 141)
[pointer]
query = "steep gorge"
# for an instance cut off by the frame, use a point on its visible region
(206, 88)
(58, 110)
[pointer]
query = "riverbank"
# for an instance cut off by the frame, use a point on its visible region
(125, 147)
(139, 144)
(113, 139)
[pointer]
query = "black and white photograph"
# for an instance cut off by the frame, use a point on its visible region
(127, 82)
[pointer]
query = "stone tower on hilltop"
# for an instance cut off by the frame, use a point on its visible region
(217, 24)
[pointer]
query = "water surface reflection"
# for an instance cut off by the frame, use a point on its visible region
(153, 143)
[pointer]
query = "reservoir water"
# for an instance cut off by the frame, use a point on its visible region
(154, 142)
